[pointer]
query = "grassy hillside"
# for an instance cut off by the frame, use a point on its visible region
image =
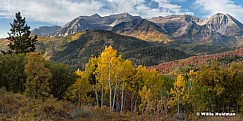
(49, 46)
(18, 107)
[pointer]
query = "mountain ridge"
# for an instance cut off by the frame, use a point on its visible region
(218, 29)
(142, 29)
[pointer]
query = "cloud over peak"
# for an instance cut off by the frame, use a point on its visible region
(210, 7)
(62, 11)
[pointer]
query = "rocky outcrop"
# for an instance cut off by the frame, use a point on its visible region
(93, 22)
(75, 26)
(142, 29)
(220, 29)
(45, 30)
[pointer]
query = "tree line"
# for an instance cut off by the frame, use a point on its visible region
(109, 80)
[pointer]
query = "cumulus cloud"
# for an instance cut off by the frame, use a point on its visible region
(209, 7)
(62, 11)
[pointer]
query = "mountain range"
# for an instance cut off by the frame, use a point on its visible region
(219, 29)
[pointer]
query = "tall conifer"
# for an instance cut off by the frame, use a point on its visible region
(19, 37)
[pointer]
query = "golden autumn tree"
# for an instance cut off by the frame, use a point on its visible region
(177, 92)
(156, 86)
(38, 75)
(151, 92)
(90, 69)
(113, 73)
(78, 91)
(145, 94)
(107, 62)
(116, 77)
(126, 72)
(137, 85)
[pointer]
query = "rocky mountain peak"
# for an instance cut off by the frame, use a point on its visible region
(95, 16)
(174, 18)
(224, 24)
(219, 18)
(123, 15)
(73, 27)
(190, 18)
(45, 30)
(76, 21)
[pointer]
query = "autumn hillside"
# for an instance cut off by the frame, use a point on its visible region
(91, 43)
(225, 57)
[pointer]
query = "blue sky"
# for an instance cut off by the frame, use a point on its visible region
(58, 12)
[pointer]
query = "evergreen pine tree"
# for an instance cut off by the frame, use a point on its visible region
(19, 37)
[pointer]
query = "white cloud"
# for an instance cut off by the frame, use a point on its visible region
(62, 11)
(48, 10)
(210, 7)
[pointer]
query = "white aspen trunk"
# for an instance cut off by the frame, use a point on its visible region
(114, 97)
(96, 93)
(124, 101)
(102, 92)
(178, 105)
(135, 105)
(117, 102)
(109, 82)
(122, 98)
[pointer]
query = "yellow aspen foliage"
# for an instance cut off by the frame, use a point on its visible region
(191, 71)
(155, 84)
(126, 74)
(145, 95)
(78, 72)
(128, 67)
(91, 65)
(77, 92)
(179, 83)
(106, 72)
(141, 75)
(177, 91)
